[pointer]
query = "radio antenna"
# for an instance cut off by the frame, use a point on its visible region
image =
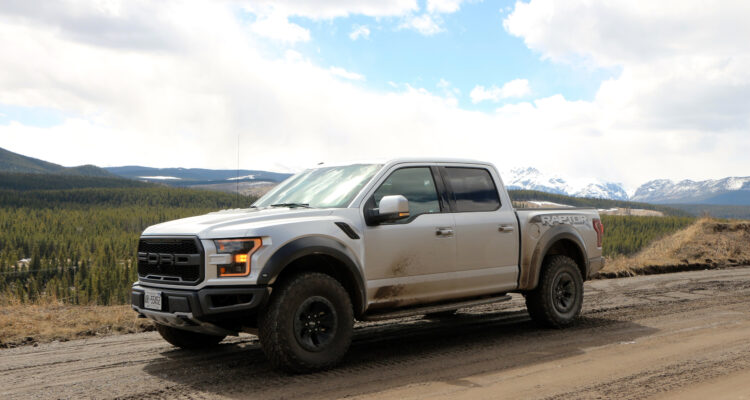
(238, 169)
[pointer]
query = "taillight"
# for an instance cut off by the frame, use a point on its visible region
(599, 228)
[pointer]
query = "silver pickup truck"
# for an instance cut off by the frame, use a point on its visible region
(336, 244)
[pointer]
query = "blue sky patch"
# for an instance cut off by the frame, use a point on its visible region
(472, 49)
(39, 117)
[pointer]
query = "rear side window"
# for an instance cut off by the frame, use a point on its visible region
(417, 185)
(473, 189)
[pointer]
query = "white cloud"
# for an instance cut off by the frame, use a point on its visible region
(273, 15)
(443, 6)
(431, 22)
(276, 26)
(340, 72)
(426, 24)
(683, 65)
(328, 9)
(619, 32)
(180, 95)
(447, 88)
(360, 31)
(513, 89)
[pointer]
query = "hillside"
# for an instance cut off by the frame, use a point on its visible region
(17, 163)
(78, 245)
(713, 210)
(46, 181)
(151, 197)
(196, 176)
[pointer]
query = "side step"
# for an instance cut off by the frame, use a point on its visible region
(433, 308)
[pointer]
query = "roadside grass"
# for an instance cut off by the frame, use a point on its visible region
(27, 324)
(707, 243)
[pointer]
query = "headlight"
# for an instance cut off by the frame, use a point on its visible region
(241, 251)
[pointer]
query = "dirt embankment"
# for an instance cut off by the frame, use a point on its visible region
(29, 324)
(707, 244)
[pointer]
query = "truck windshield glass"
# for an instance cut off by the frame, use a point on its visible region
(328, 187)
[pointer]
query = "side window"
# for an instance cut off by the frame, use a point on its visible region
(417, 185)
(473, 189)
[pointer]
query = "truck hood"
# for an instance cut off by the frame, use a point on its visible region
(234, 223)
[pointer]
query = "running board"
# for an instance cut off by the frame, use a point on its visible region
(433, 309)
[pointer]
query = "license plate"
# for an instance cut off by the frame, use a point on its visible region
(152, 299)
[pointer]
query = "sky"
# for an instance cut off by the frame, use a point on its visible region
(621, 91)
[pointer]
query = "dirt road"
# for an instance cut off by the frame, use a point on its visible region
(683, 335)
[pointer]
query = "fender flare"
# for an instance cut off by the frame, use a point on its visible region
(316, 245)
(529, 277)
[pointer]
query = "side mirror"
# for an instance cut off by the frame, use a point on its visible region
(392, 208)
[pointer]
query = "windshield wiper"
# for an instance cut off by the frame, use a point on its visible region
(291, 205)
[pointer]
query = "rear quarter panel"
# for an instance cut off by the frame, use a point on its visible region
(541, 228)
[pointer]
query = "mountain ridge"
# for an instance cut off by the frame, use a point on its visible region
(191, 176)
(18, 163)
(730, 191)
(530, 178)
(725, 191)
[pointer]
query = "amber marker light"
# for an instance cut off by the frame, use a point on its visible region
(241, 251)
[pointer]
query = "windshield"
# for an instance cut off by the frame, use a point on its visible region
(328, 187)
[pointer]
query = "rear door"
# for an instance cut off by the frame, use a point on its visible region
(487, 239)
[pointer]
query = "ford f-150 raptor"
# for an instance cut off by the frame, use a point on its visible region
(335, 244)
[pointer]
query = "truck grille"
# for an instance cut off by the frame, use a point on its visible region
(176, 261)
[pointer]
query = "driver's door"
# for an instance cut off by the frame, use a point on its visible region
(409, 261)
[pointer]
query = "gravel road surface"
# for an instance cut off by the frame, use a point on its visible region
(682, 335)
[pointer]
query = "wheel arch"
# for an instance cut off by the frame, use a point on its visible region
(560, 240)
(318, 254)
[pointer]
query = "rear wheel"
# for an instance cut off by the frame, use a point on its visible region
(308, 324)
(187, 339)
(558, 298)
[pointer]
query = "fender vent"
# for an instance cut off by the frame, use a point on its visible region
(348, 230)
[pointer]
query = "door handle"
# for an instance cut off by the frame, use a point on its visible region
(444, 232)
(506, 228)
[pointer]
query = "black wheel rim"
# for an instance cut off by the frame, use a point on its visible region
(564, 293)
(315, 323)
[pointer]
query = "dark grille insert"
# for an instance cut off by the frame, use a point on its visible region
(173, 246)
(170, 260)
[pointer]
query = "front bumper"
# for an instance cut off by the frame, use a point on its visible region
(212, 310)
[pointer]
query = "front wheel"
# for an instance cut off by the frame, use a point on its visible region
(558, 297)
(308, 324)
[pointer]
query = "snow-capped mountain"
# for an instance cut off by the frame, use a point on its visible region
(613, 191)
(533, 179)
(733, 190)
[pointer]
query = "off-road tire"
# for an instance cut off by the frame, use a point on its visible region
(307, 325)
(558, 297)
(187, 339)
